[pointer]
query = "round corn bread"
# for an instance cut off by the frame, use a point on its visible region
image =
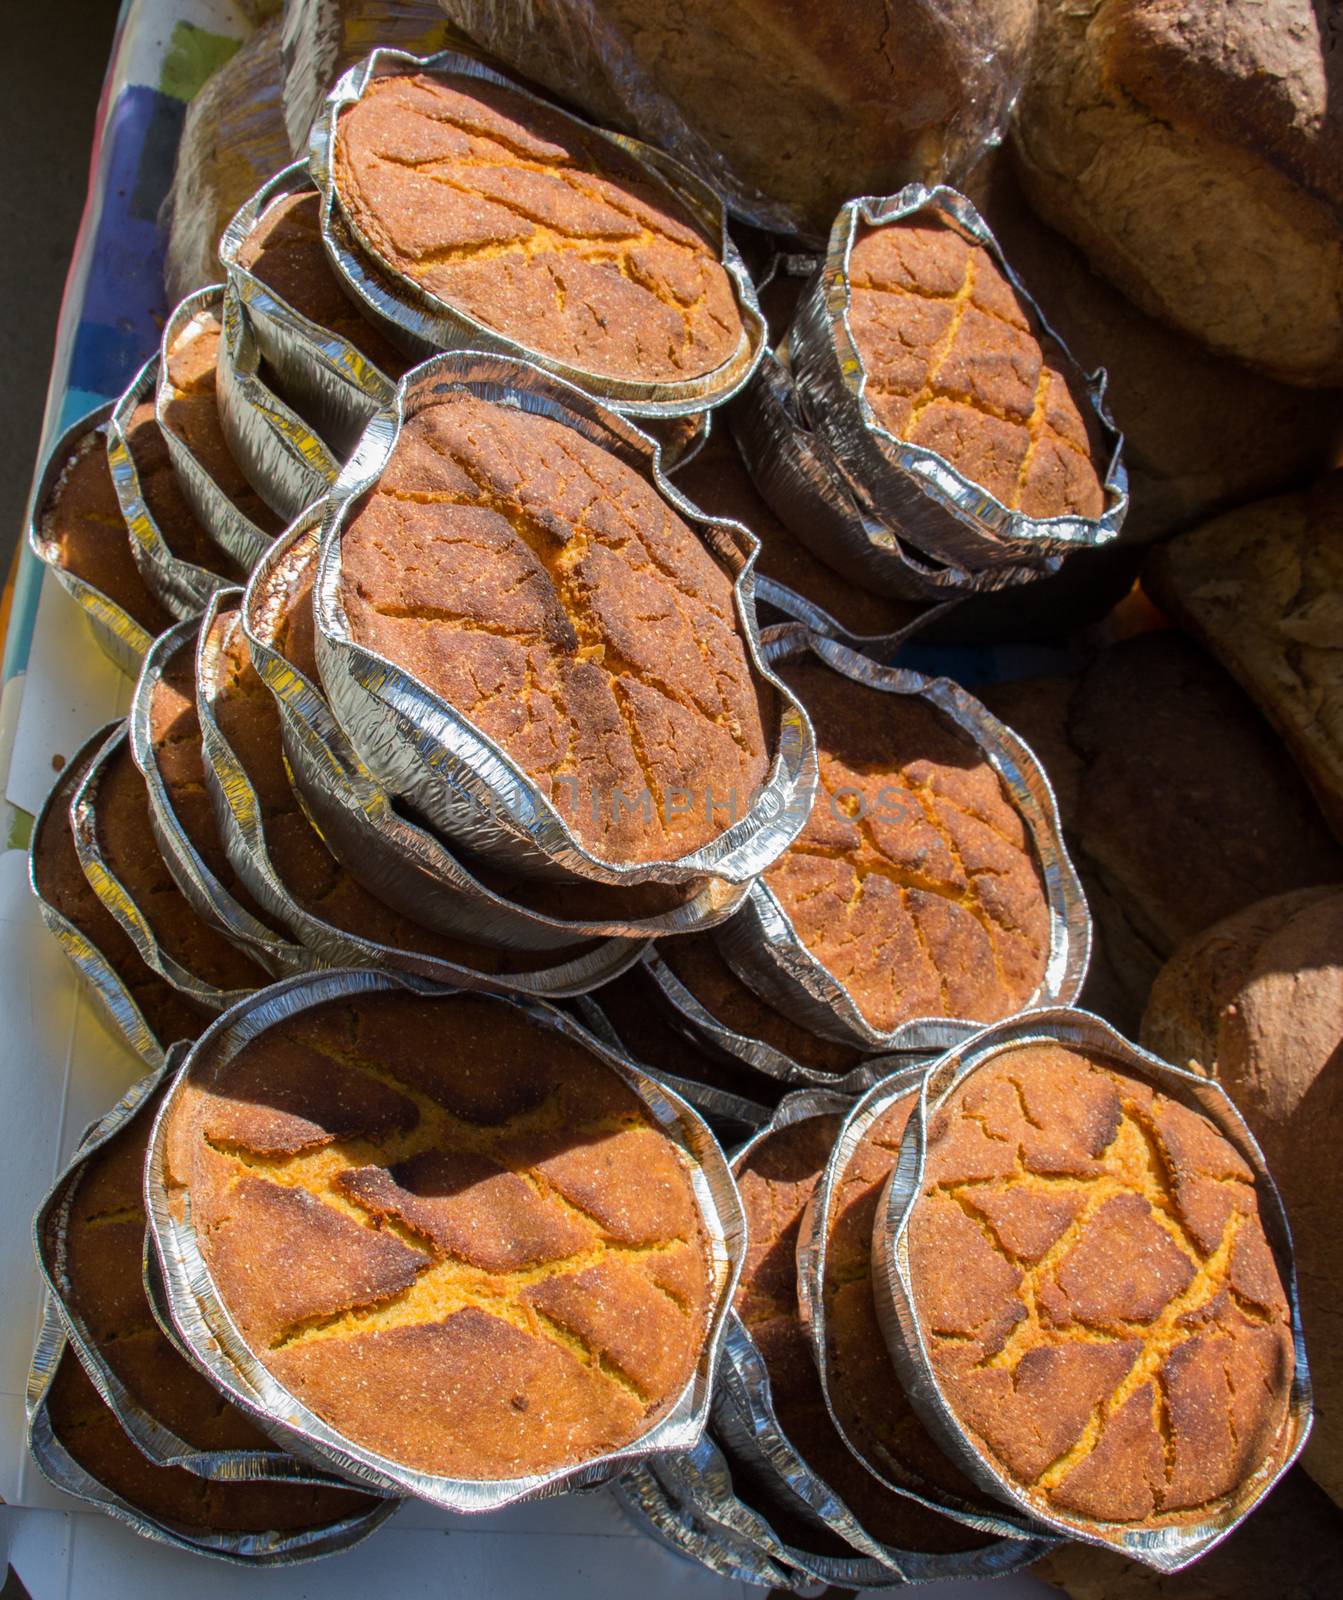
(162, 494)
(914, 882)
(535, 225)
(776, 1181)
(82, 518)
(956, 362)
(546, 590)
(455, 1235)
(172, 1495)
(1100, 1305)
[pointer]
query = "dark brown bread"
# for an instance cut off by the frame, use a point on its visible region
(543, 588)
(61, 883)
(957, 363)
(1100, 1303)
(459, 1238)
(82, 518)
(536, 226)
(164, 500)
(914, 881)
(777, 1181)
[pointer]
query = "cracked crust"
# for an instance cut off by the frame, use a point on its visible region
(162, 494)
(61, 882)
(536, 226)
(82, 519)
(459, 1239)
(956, 362)
(914, 882)
(93, 1436)
(777, 1181)
(544, 589)
(1100, 1304)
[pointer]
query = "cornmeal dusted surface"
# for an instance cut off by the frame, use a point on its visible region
(1101, 1306)
(914, 882)
(548, 592)
(536, 226)
(455, 1235)
(955, 362)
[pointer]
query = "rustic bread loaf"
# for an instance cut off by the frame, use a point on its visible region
(526, 220)
(1262, 587)
(1195, 153)
(1099, 1301)
(458, 1237)
(1257, 1001)
(544, 588)
(164, 500)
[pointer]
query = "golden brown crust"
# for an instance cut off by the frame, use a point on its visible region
(956, 362)
(914, 881)
(92, 1435)
(167, 505)
(1101, 1306)
(536, 226)
(544, 588)
(493, 1266)
(82, 518)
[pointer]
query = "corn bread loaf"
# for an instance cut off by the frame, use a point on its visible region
(1257, 1002)
(777, 1180)
(544, 589)
(528, 221)
(914, 882)
(1101, 1308)
(955, 361)
(185, 538)
(454, 1235)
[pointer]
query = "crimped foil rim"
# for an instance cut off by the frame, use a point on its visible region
(154, 1438)
(90, 963)
(208, 896)
(1166, 1549)
(971, 524)
(744, 1413)
(63, 1472)
(432, 737)
(284, 459)
(310, 726)
(238, 812)
(180, 586)
(707, 1098)
(420, 318)
(812, 1250)
(218, 1348)
(121, 637)
(762, 946)
(699, 1021)
(237, 535)
(796, 607)
(116, 897)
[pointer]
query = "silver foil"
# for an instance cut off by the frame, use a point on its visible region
(910, 489)
(61, 1470)
(721, 1104)
(86, 958)
(812, 1249)
(284, 459)
(462, 781)
(745, 1423)
(231, 530)
(1166, 1549)
(154, 1438)
(423, 324)
(121, 637)
(208, 897)
(242, 829)
(404, 864)
(180, 586)
(800, 480)
(219, 1350)
(117, 898)
(765, 950)
(324, 374)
